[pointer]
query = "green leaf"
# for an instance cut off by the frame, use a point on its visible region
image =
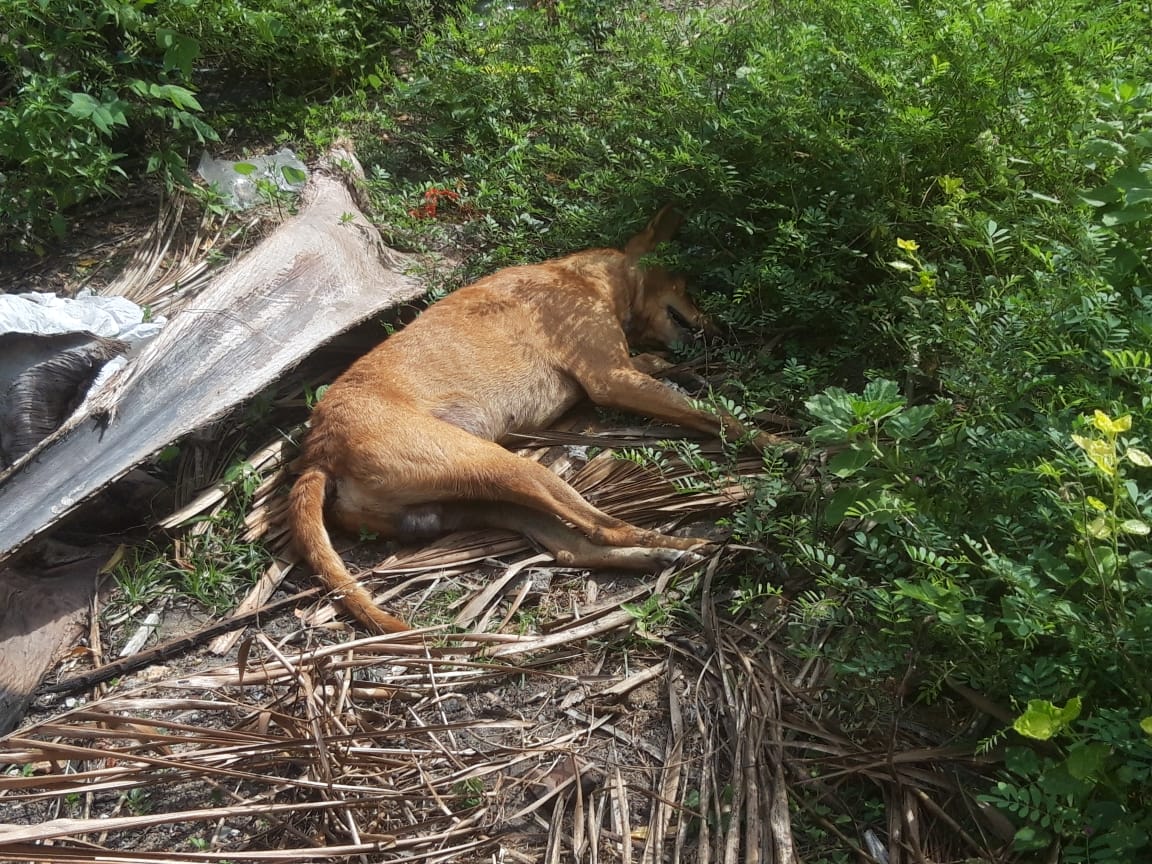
(876, 410)
(1146, 725)
(910, 422)
(293, 175)
(1099, 529)
(1135, 526)
(1101, 196)
(882, 390)
(882, 509)
(244, 168)
(1138, 196)
(1127, 215)
(117, 112)
(1128, 178)
(841, 501)
(1138, 457)
(180, 97)
(1087, 760)
(180, 51)
(833, 406)
(1042, 720)
(848, 462)
(82, 105)
(102, 117)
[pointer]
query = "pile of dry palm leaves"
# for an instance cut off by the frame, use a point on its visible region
(606, 732)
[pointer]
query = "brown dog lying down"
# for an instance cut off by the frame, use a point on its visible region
(404, 442)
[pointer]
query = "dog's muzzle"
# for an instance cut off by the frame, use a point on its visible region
(689, 331)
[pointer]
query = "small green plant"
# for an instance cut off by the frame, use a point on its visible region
(214, 565)
(670, 459)
(137, 801)
(470, 791)
(755, 596)
(1091, 789)
(872, 434)
(313, 395)
(140, 577)
(652, 614)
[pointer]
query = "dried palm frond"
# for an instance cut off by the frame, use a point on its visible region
(167, 270)
(340, 750)
(391, 747)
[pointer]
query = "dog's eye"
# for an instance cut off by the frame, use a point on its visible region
(679, 319)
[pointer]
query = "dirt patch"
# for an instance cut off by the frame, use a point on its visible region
(102, 236)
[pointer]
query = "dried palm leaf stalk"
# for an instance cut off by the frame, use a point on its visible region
(167, 269)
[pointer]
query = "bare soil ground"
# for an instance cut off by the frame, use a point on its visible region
(102, 238)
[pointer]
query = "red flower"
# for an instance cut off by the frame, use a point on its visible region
(432, 196)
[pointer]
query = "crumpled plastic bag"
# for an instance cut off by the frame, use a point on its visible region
(239, 185)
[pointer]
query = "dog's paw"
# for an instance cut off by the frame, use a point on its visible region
(788, 451)
(689, 557)
(660, 558)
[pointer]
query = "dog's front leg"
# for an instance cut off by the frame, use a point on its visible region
(631, 390)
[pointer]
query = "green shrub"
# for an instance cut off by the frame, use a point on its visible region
(885, 199)
(75, 75)
(90, 87)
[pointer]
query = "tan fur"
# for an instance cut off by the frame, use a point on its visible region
(403, 443)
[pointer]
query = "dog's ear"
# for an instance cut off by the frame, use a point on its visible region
(662, 227)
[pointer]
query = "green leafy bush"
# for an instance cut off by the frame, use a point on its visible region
(886, 200)
(74, 76)
(88, 87)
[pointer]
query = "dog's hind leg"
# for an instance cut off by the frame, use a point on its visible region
(568, 546)
(471, 469)
(502, 476)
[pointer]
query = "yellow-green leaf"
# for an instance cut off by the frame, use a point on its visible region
(1138, 457)
(907, 245)
(1096, 504)
(1101, 453)
(1042, 720)
(1109, 426)
(1146, 725)
(1135, 526)
(1099, 529)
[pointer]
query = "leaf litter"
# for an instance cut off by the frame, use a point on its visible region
(540, 717)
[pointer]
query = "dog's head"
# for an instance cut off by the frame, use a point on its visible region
(662, 312)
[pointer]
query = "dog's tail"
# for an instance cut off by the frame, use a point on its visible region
(306, 509)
